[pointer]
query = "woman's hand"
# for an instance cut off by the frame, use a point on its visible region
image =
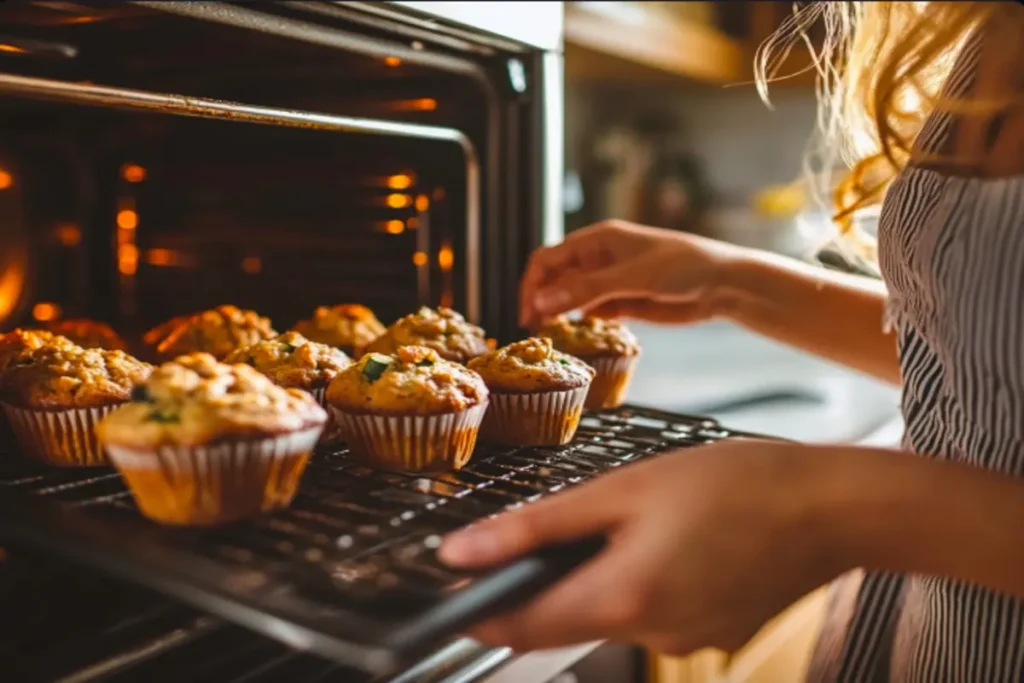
(619, 269)
(703, 547)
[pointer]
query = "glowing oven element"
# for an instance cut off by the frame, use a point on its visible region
(252, 265)
(45, 311)
(133, 173)
(418, 104)
(398, 201)
(67, 234)
(127, 221)
(394, 227)
(399, 181)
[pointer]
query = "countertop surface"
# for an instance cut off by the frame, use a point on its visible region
(753, 384)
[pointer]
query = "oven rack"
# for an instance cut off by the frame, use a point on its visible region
(75, 626)
(349, 570)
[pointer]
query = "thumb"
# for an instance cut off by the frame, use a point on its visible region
(576, 514)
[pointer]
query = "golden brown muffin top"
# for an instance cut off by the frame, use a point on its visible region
(218, 331)
(60, 377)
(590, 337)
(89, 334)
(348, 326)
(195, 400)
(413, 381)
(531, 365)
(19, 342)
(443, 330)
(291, 360)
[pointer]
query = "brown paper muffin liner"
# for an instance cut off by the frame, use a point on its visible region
(608, 390)
(548, 418)
(59, 437)
(330, 435)
(412, 443)
(215, 484)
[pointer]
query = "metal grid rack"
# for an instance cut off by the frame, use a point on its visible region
(348, 571)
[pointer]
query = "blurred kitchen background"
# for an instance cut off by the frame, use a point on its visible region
(664, 127)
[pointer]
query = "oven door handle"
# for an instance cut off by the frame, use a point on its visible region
(492, 594)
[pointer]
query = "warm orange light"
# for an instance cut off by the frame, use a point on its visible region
(44, 311)
(438, 194)
(413, 223)
(419, 258)
(13, 49)
(127, 259)
(422, 203)
(160, 257)
(68, 234)
(133, 173)
(252, 264)
(394, 227)
(445, 257)
(5, 179)
(399, 181)
(392, 61)
(398, 201)
(419, 104)
(127, 219)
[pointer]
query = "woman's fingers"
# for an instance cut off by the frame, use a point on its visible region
(650, 310)
(545, 264)
(576, 514)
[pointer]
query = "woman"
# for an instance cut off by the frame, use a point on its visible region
(705, 545)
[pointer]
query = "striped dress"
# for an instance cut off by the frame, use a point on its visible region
(951, 251)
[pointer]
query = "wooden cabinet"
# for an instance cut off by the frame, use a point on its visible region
(645, 42)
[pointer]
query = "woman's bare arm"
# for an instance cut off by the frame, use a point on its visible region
(899, 512)
(830, 314)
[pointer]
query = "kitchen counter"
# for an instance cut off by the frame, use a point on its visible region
(756, 385)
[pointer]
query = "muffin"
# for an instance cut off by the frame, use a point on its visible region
(608, 346)
(350, 327)
(537, 393)
(15, 344)
(53, 397)
(89, 334)
(218, 331)
(290, 360)
(411, 410)
(205, 443)
(442, 330)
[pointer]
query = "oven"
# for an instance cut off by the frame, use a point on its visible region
(159, 158)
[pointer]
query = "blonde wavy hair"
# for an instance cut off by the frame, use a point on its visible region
(881, 70)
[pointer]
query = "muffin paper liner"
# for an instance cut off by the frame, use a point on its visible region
(59, 437)
(330, 433)
(218, 483)
(548, 418)
(608, 390)
(412, 443)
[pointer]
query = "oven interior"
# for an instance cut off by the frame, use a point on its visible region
(418, 183)
(133, 217)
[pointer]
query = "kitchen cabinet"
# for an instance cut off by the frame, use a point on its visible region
(640, 41)
(664, 42)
